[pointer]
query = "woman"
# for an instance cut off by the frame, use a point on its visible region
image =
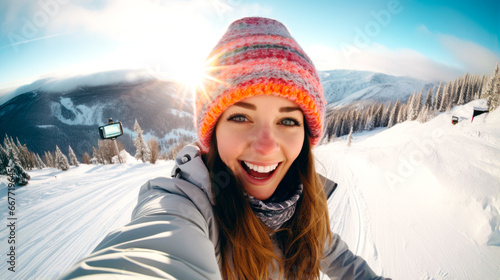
(245, 201)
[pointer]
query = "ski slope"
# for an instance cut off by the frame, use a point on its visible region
(417, 201)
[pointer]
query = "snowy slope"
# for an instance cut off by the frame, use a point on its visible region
(62, 216)
(417, 201)
(421, 201)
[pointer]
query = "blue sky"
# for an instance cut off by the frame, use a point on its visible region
(431, 40)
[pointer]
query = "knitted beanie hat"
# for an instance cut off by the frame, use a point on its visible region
(258, 56)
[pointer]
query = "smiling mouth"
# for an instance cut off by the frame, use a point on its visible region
(257, 171)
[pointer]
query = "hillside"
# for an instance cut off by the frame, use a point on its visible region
(417, 201)
(42, 119)
(343, 87)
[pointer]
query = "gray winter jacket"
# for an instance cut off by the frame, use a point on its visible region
(173, 234)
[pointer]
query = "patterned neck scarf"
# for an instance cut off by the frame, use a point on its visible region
(275, 213)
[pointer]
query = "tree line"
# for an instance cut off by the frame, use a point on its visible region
(419, 106)
(16, 159)
(150, 151)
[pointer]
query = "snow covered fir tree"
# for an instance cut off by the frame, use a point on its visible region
(142, 151)
(492, 90)
(72, 157)
(14, 159)
(61, 160)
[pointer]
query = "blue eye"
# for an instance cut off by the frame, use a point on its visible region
(290, 122)
(237, 118)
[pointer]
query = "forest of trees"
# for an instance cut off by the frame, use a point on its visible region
(16, 158)
(420, 106)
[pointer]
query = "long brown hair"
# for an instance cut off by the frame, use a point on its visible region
(246, 244)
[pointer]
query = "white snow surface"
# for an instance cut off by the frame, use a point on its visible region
(417, 201)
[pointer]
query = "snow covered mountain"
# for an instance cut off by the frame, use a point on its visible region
(343, 87)
(43, 119)
(68, 111)
(417, 201)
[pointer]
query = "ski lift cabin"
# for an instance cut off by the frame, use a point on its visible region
(478, 111)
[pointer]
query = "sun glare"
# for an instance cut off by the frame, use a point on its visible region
(189, 74)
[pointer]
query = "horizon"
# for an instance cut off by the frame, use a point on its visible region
(427, 40)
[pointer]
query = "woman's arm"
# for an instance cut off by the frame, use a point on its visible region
(340, 263)
(169, 237)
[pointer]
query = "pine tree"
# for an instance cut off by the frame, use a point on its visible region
(9, 144)
(481, 87)
(403, 113)
(377, 114)
(141, 149)
(455, 92)
(17, 173)
(424, 115)
(25, 156)
(492, 90)
(4, 161)
(39, 162)
(72, 157)
(385, 115)
(428, 100)
(393, 117)
(438, 98)
(445, 98)
(349, 138)
(410, 105)
(48, 159)
(11, 151)
(426, 111)
(61, 160)
(418, 105)
(45, 159)
(361, 120)
(463, 90)
(370, 123)
(330, 123)
(14, 168)
(357, 117)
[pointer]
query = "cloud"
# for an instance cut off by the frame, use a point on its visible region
(378, 58)
(165, 35)
(423, 29)
(472, 57)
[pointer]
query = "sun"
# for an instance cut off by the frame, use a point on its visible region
(189, 74)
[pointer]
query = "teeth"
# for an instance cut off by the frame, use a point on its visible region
(261, 169)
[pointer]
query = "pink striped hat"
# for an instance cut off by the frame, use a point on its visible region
(258, 56)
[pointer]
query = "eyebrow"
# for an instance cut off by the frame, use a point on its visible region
(246, 105)
(254, 108)
(289, 109)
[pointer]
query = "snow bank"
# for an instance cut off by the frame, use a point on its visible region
(421, 201)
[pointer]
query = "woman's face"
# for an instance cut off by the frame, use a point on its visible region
(258, 139)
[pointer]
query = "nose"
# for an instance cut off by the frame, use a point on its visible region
(265, 142)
